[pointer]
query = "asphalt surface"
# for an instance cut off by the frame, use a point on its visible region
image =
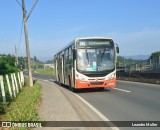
(141, 102)
(128, 102)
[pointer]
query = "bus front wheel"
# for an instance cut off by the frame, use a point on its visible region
(101, 89)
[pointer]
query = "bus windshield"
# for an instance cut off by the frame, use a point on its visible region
(95, 59)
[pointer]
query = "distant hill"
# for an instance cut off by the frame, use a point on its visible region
(138, 57)
(45, 59)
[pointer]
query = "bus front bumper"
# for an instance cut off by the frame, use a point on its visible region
(95, 84)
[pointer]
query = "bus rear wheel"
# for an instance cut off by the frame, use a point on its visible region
(59, 81)
(72, 89)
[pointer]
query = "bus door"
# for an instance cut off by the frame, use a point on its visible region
(63, 70)
(73, 67)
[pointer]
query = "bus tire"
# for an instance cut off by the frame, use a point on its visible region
(101, 89)
(70, 85)
(71, 88)
(59, 81)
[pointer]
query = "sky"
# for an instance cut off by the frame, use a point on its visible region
(133, 24)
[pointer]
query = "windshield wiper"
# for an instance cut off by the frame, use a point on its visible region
(103, 53)
(87, 55)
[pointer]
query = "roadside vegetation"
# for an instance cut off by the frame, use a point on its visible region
(44, 71)
(7, 64)
(155, 55)
(140, 76)
(25, 105)
(122, 61)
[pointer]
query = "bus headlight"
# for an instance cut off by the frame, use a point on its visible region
(112, 76)
(80, 77)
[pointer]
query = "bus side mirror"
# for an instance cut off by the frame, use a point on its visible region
(117, 48)
(74, 54)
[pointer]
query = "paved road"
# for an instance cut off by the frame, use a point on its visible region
(40, 76)
(128, 102)
(139, 102)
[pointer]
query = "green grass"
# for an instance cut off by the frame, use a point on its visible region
(25, 105)
(45, 72)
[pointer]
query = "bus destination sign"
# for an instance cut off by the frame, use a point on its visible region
(94, 43)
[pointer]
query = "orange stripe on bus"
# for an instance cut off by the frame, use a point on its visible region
(96, 84)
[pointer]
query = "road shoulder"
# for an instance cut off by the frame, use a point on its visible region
(59, 104)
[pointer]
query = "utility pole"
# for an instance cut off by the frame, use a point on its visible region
(123, 61)
(25, 18)
(16, 55)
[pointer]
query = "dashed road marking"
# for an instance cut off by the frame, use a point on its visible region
(122, 90)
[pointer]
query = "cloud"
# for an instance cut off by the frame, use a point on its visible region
(145, 41)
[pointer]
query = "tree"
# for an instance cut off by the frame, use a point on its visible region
(7, 64)
(155, 55)
(49, 61)
(35, 58)
(122, 61)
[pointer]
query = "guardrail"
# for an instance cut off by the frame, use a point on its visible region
(14, 82)
(147, 66)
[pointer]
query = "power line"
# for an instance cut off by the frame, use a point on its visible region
(35, 2)
(19, 3)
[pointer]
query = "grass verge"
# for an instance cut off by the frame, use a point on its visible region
(25, 105)
(45, 72)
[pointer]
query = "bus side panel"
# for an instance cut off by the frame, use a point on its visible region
(66, 71)
(63, 70)
(55, 66)
(68, 66)
(73, 77)
(74, 70)
(59, 70)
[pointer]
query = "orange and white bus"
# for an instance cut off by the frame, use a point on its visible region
(87, 63)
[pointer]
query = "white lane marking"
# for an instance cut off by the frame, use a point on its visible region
(122, 90)
(104, 118)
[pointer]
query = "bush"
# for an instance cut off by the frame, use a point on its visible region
(7, 64)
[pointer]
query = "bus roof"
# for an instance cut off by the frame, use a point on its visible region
(83, 38)
(92, 38)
